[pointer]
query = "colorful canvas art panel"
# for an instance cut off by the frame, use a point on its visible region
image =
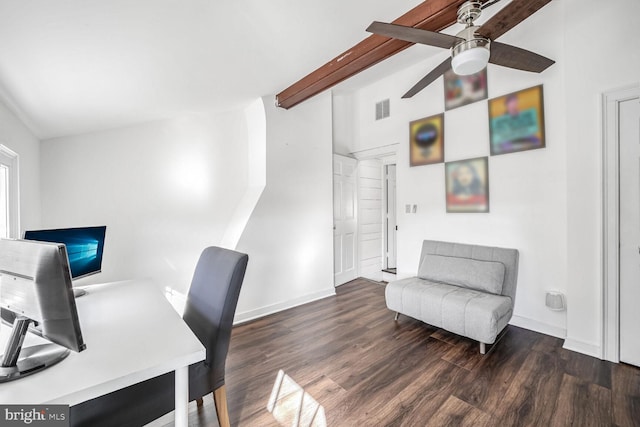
(467, 185)
(516, 121)
(463, 90)
(426, 144)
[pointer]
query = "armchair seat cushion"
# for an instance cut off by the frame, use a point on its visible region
(463, 311)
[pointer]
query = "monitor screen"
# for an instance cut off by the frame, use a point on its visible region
(84, 246)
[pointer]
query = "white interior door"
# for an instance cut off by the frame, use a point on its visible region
(345, 222)
(391, 216)
(630, 231)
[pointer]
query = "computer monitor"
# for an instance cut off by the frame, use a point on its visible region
(35, 288)
(85, 246)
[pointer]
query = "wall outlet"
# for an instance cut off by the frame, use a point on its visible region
(556, 301)
(407, 208)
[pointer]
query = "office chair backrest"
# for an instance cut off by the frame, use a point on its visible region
(211, 304)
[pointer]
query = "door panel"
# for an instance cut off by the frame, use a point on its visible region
(370, 219)
(337, 254)
(349, 247)
(629, 231)
(344, 219)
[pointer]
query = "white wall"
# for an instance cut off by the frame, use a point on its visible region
(165, 190)
(342, 117)
(168, 189)
(527, 189)
(602, 53)
(256, 122)
(289, 237)
(16, 136)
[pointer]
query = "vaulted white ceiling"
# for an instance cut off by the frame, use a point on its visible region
(77, 66)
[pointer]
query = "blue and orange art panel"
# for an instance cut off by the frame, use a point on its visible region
(516, 121)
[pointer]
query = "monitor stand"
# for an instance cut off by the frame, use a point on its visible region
(77, 292)
(18, 363)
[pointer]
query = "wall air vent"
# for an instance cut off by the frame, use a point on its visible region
(382, 109)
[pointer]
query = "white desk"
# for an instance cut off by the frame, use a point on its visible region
(132, 334)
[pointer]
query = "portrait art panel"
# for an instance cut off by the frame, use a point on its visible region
(467, 185)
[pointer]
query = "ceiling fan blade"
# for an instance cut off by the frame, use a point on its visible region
(429, 78)
(414, 35)
(488, 4)
(518, 58)
(510, 16)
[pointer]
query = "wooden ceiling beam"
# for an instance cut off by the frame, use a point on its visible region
(432, 15)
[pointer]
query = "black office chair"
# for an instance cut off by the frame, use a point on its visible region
(209, 312)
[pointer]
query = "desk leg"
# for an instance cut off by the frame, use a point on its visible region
(182, 397)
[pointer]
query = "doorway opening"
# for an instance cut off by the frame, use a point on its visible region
(390, 223)
(376, 202)
(629, 134)
(614, 313)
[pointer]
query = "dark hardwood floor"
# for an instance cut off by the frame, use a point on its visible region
(364, 369)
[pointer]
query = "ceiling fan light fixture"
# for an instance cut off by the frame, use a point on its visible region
(470, 61)
(472, 54)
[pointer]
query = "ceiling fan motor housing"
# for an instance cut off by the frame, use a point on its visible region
(471, 55)
(469, 11)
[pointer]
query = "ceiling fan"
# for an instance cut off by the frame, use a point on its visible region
(474, 46)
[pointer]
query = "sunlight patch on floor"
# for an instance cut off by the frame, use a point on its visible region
(291, 406)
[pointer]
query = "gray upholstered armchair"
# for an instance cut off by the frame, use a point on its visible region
(209, 312)
(469, 290)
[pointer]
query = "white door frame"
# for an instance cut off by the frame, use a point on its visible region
(611, 219)
(391, 160)
(387, 154)
(10, 158)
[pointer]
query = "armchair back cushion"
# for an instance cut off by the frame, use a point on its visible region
(508, 257)
(486, 276)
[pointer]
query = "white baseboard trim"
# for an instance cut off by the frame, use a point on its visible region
(537, 326)
(281, 306)
(590, 349)
(388, 277)
(371, 274)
